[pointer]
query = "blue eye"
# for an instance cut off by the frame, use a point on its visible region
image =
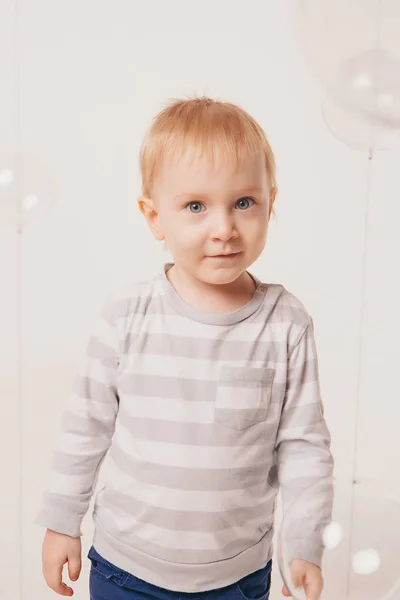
(199, 203)
(246, 198)
(194, 204)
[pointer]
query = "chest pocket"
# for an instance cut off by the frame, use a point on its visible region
(243, 395)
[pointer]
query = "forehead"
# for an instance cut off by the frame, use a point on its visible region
(194, 173)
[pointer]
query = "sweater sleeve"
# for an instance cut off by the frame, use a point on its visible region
(303, 454)
(87, 427)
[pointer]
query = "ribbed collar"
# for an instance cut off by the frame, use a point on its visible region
(181, 306)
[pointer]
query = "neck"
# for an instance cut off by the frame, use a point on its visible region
(209, 297)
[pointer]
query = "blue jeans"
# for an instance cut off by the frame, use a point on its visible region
(108, 582)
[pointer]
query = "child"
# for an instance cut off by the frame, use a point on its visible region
(201, 381)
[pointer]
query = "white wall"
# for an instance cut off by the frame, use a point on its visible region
(90, 77)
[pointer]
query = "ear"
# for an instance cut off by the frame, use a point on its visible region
(148, 209)
(272, 197)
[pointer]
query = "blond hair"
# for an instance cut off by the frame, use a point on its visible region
(202, 124)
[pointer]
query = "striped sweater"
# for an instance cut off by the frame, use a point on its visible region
(204, 418)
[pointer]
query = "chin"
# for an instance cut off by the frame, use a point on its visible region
(223, 274)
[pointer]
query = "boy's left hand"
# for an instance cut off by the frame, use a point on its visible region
(306, 575)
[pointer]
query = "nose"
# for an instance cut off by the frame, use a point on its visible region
(223, 227)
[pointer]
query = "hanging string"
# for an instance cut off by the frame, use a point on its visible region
(363, 299)
(18, 199)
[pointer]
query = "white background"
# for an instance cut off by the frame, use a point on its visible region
(90, 77)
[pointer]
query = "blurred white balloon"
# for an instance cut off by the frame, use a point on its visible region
(353, 49)
(358, 537)
(27, 190)
(366, 561)
(333, 31)
(362, 103)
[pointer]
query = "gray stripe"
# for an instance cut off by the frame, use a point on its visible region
(87, 388)
(254, 532)
(93, 427)
(105, 354)
(301, 416)
(187, 390)
(189, 478)
(187, 520)
(196, 434)
(66, 464)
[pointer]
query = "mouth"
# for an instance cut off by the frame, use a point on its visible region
(226, 256)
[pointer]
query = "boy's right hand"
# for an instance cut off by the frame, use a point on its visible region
(57, 550)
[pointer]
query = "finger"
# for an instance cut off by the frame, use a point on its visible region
(66, 590)
(74, 567)
(313, 590)
(285, 591)
(297, 580)
(53, 577)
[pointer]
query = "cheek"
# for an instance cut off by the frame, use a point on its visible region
(260, 225)
(185, 239)
(188, 234)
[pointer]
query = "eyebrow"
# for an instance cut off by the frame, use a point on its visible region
(249, 190)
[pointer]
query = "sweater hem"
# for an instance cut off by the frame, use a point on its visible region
(182, 577)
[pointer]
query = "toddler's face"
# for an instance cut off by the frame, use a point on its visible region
(203, 209)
